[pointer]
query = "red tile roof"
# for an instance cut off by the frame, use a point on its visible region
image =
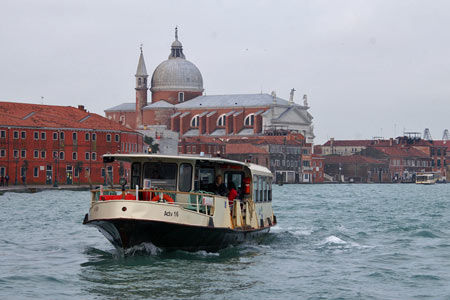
(401, 151)
(244, 149)
(54, 116)
(349, 143)
(350, 159)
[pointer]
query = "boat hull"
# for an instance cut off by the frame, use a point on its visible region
(126, 233)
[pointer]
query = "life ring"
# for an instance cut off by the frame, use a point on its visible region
(166, 197)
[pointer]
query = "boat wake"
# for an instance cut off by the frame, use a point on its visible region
(142, 249)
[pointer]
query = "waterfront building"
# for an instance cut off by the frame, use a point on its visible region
(356, 168)
(49, 144)
(344, 147)
(179, 109)
(404, 156)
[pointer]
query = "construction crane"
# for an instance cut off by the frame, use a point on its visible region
(427, 135)
(445, 136)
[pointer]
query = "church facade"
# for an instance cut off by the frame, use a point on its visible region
(177, 108)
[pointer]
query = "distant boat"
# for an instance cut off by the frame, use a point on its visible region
(174, 204)
(426, 178)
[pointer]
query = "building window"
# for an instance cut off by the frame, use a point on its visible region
(94, 156)
(76, 172)
(61, 135)
(122, 120)
(87, 155)
(188, 149)
(221, 120)
(36, 135)
(86, 136)
(2, 134)
(43, 154)
(15, 134)
(55, 154)
(195, 120)
(194, 149)
(16, 153)
(55, 136)
(35, 172)
(306, 163)
(23, 153)
(103, 172)
(23, 135)
(108, 137)
(117, 138)
(2, 171)
(43, 136)
(2, 153)
(61, 155)
(181, 97)
(94, 136)
(74, 136)
(35, 154)
(305, 151)
(249, 120)
(74, 155)
(87, 171)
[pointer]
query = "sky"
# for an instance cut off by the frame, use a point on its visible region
(370, 68)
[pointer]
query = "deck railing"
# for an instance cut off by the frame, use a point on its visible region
(199, 201)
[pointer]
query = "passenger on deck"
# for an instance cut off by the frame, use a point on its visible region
(232, 194)
(219, 186)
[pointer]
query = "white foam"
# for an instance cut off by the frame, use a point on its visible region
(334, 240)
(205, 253)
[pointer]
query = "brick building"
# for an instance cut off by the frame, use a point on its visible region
(46, 144)
(178, 105)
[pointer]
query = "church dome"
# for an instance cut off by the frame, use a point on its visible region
(177, 73)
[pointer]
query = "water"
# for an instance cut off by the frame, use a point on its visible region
(332, 242)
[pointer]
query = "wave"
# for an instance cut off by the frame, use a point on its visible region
(425, 234)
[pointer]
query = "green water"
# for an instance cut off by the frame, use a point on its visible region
(332, 242)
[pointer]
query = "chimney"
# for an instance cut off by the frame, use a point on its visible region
(391, 142)
(81, 107)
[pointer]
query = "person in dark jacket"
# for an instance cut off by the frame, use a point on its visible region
(219, 186)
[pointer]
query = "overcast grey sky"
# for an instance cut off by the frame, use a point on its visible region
(369, 68)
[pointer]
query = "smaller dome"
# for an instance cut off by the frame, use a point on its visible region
(177, 43)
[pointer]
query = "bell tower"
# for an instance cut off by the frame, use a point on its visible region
(141, 90)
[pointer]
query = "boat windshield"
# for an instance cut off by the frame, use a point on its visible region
(162, 175)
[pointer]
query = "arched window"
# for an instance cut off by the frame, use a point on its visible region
(194, 121)
(221, 121)
(249, 120)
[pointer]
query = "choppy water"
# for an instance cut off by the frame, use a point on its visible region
(332, 242)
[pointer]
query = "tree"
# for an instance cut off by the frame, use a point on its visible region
(154, 147)
(79, 168)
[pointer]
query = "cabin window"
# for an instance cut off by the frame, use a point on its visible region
(204, 179)
(161, 175)
(255, 189)
(135, 174)
(269, 185)
(185, 178)
(261, 188)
